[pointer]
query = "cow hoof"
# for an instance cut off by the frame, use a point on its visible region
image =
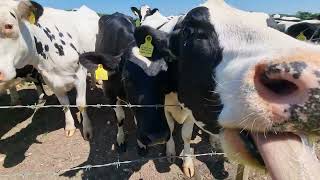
(188, 168)
(122, 148)
(142, 151)
(87, 134)
(222, 175)
(70, 132)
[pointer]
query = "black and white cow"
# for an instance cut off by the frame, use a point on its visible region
(310, 31)
(132, 79)
(52, 45)
(259, 84)
(174, 110)
(153, 18)
(295, 27)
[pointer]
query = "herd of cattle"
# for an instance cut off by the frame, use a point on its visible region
(236, 75)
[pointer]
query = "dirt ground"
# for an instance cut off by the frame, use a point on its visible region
(33, 146)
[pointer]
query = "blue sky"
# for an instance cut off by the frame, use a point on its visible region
(174, 7)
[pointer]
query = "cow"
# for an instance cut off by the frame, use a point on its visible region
(174, 111)
(153, 18)
(260, 85)
(50, 40)
(306, 31)
(130, 80)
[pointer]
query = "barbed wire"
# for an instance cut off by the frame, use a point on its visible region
(117, 164)
(76, 106)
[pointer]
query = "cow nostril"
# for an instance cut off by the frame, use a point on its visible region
(8, 26)
(275, 84)
(281, 87)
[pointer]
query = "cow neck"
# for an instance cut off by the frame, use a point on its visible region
(31, 57)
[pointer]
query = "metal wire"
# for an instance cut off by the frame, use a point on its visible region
(117, 164)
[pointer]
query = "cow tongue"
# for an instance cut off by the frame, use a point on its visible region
(288, 156)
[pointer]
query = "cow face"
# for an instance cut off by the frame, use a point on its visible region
(14, 38)
(145, 82)
(143, 12)
(263, 85)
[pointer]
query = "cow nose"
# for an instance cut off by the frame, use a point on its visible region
(154, 138)
(283, 84)
(1, 76)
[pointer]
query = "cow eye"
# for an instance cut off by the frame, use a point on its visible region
(202, 35)
(187, 32)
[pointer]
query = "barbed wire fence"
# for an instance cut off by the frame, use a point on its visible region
(117, 163)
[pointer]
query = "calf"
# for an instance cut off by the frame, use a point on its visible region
(132, 79)
(52, 45)
(262, 87)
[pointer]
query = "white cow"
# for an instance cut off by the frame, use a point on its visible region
(50, 40)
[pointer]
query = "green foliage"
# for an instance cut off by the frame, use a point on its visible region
(307, 15)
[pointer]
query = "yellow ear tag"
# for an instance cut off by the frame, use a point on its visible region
(137, 23)
(32, 18)
(146, 49)
(101, 74)
(301, 37)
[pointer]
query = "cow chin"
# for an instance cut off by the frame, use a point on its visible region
(283, 155)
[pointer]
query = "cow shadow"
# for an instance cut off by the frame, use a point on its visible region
(32, 124)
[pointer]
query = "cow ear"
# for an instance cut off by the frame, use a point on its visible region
(91, 60)
(30, 10)
(154, 11)
(135, 11)
(160, 40)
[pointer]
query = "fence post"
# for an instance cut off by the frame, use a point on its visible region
(242, 172)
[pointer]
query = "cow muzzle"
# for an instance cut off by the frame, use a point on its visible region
(285, 98)
(291, 93)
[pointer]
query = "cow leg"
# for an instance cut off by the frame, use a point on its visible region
(40, 92)
(81, 87)
(170, 146)
(69, 127)
(142, 149)
(186, 132)
(93, 80)
(120, 134)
